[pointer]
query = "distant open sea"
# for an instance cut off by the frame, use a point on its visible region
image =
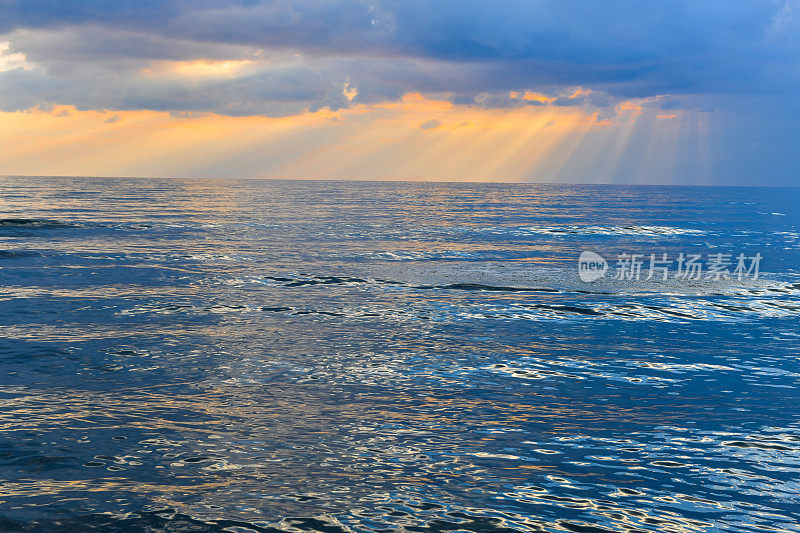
(220, 355)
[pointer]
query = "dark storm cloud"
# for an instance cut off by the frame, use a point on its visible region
(476, 52)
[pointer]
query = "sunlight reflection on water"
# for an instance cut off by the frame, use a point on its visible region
(213, 355)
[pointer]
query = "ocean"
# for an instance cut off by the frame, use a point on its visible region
(233, 355)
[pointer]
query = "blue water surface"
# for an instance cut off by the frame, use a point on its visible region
(209, 355)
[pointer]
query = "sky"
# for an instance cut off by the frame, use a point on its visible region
(618, 91)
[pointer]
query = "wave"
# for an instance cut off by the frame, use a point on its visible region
(548, 297)
(521, 277)
(648, 231)
(37, 223)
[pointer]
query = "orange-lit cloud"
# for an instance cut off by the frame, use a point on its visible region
(201, 68)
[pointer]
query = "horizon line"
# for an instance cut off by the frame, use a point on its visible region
(394, 180)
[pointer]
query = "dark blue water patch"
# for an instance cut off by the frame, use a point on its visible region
(18, 254)
(33, 223)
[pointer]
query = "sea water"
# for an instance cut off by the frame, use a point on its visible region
(209, 355)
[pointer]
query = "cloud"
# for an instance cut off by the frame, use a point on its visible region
(430, 124)
(477, 52)
(732, 65)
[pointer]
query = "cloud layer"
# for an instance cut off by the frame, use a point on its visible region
(300, 55)
(715, 83)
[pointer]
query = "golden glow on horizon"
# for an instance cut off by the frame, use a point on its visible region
(416, 138)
